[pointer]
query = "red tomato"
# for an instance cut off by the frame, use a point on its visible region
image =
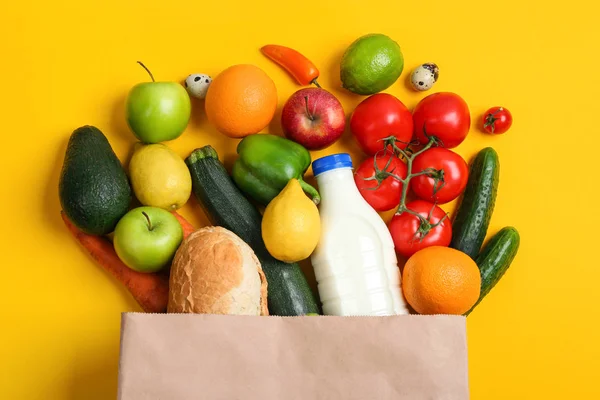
(450, 180)
(378, 117)
(443, 115)
(497, 120)
(367, 178)
(410, 234)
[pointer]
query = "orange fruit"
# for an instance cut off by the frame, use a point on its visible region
(241, 100)
(441, 280)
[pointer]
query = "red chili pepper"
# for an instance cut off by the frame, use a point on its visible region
(300, 67)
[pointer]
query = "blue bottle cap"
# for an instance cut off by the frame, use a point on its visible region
(334, 161)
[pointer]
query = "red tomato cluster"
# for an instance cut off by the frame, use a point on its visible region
(445, 185)
(380, 191)
(383, 127)
(411, 235)
(379, 117)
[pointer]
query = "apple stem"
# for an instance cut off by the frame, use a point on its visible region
(310, 116)
(147, 70)
(150, 227)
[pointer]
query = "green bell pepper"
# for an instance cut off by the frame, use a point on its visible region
(266, 163)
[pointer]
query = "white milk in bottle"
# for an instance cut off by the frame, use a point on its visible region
(355, 262)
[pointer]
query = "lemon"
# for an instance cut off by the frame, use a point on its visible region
(159, 177)
(291, 226)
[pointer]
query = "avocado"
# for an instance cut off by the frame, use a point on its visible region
(94, 189)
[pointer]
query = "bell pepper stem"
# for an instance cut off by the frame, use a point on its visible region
(311, 191)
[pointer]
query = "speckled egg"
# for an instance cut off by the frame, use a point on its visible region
(197, 85)
(424, 76)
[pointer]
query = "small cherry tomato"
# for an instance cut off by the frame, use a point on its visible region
(411, 233)
(497, 120)
(448, 179)
(380, 190)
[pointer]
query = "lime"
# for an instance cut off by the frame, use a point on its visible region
(371, 64)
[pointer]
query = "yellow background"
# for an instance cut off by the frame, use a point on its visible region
(69, 63)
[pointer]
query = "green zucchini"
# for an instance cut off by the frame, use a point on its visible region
(288, 290)
(473, 217)
(495, 258)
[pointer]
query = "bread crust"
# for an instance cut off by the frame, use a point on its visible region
(215, 272)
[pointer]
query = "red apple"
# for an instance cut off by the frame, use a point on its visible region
(314, 118)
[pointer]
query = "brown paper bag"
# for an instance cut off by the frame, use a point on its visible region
(221, 357)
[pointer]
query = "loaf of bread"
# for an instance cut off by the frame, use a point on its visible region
(215, 272)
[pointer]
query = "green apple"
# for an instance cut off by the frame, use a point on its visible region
(158, 111)
(146, 238)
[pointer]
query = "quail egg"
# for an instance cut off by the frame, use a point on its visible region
(424, 76)
(197, 85)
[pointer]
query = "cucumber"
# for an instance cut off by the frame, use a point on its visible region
(288, 291)
(495, 258)
(474, 213)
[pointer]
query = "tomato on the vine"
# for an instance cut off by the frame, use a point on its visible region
(448, 180)
(378, 117)
(374, 183)
(411, 233)
(443, 115)
(497, 120)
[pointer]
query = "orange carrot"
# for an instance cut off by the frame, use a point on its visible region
(150, 290)
(187, 227)
(300, 67)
